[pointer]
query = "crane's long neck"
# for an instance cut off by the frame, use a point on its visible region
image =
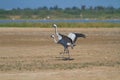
(58, 35)
(56, 32)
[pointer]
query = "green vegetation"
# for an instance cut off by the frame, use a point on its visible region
(98, 12)
(62, 25)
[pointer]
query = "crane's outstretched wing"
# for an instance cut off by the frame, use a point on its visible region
(74, 36)
(66, 38)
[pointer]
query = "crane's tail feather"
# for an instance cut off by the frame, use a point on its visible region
(80, 35)
(77, 36)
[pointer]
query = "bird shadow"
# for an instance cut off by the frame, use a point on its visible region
(64, 58)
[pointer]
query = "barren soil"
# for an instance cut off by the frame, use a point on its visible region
(30, 54)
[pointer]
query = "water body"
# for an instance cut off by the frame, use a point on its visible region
(58, 21)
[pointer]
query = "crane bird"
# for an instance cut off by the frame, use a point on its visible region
(66, 41)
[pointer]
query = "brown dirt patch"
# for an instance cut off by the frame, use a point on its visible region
(30, 53)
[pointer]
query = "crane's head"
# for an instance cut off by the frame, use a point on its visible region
(54, 25)
(52, 36)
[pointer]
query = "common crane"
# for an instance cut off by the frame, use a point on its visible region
(66, 41)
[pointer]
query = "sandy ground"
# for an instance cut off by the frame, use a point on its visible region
(30, 54)
(102, 73)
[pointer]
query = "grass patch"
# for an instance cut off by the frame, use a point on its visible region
(62, 25)
(36, 64)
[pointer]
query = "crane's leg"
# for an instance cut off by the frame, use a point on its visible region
(65, 51)
(68, 53)
(62, 53)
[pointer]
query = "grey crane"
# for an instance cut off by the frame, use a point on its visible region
(66, 41)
